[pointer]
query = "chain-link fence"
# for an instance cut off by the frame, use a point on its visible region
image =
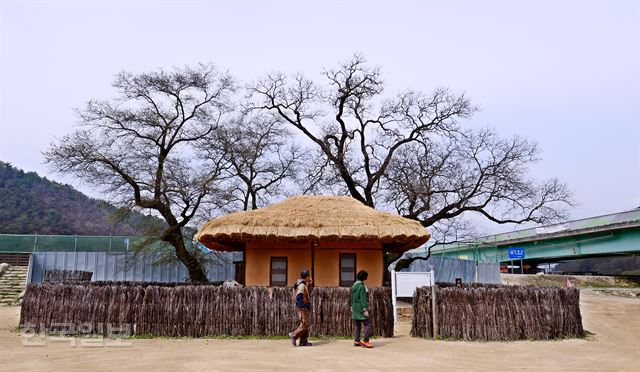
(75, 243)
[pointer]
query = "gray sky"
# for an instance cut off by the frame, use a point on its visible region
(565, 74)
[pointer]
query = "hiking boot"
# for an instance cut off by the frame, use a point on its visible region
(357, 343)
(366, 344)
(305, 343)
(293, 339)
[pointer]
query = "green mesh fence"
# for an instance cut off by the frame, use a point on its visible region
(72, 243)
(17, 243)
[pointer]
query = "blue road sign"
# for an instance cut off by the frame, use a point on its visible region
(516, 253)
(202, 247)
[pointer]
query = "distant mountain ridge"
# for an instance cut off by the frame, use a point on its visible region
(32, 204)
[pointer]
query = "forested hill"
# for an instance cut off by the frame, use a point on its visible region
(32, 204)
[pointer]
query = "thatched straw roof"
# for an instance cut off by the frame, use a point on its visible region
(335, 218)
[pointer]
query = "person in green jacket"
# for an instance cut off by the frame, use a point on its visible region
(360, 310)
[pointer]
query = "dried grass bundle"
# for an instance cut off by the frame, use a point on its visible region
(336, 218)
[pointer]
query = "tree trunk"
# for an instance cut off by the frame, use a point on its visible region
(387, 259)
(195, 269)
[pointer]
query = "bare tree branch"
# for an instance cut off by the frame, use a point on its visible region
(141, 148)
(261, 159)
(409, 151)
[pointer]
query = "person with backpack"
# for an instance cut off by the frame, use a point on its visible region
(303, 307)
(360, 310)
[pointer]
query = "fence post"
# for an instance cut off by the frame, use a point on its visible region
(29, 271)
(110, 242)
(393, 296)
(434, 311)
(35, 243)
(477, 271)
(75, 244)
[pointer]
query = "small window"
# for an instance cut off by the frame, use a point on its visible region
(347, 269)
(278, 271)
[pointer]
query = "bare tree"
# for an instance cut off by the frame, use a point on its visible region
(358, 138)
(262, 160)
(477, 172)
(409, 151)
(140, 149)
(472, 171)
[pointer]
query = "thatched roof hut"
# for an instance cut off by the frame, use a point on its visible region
(337, 223)
(338, 218)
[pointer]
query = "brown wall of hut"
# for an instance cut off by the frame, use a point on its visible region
(369, 257)
(327, 265)
(257, 260)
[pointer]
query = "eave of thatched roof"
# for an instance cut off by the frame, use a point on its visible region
(300, 218)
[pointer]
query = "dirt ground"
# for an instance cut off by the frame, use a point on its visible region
(615, 347)
(581, 281)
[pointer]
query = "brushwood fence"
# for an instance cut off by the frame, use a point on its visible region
(498, 312)
(177, 310)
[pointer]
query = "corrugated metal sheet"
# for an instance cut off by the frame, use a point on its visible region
(127, 266)
(448, 269)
